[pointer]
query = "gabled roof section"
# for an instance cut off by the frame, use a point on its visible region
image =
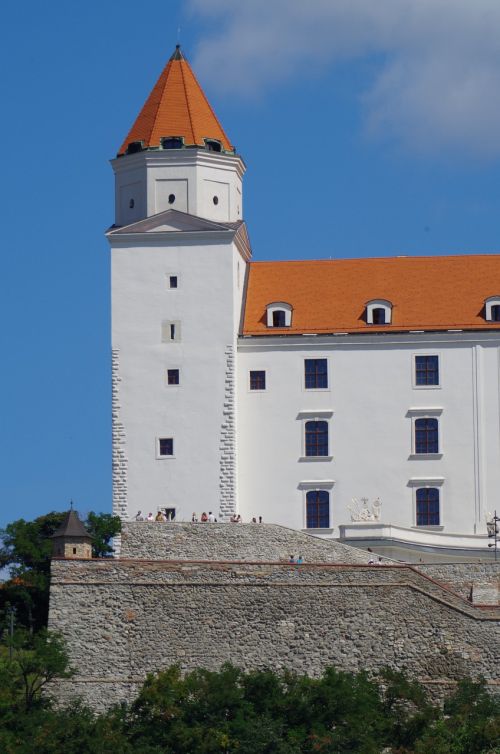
(177, 106)
(71, 527)
(329, 296)
(174, 221)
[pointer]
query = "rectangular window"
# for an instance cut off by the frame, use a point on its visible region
(427, 506)
(426, 436)
(172, 281)
(318, 509)
(257, 380)
(427, 370)
(316, 438)
(316, 374)
(172, 376)
(166, 446)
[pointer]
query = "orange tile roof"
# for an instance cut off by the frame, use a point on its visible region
(427, 293)
(177, 106)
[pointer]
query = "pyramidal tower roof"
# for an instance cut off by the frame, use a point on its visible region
(177, 106)
(71, 526)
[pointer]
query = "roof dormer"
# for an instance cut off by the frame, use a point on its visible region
(279, 314)
(492, 309)
(378, 312)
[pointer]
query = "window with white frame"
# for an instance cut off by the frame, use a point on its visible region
(426, 370)
(165, 447)
(426, 431)
(279, 314)
(427, 501)
(492, 309)
(316, 438)
(378, 312)
(317, 509)
(316, 374)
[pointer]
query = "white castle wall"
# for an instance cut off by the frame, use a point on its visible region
(368, 403)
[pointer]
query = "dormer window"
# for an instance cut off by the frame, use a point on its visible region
(172, 142)
(492, 309)
(378, 312)
(135, 146)
(213, 145)
(279, 314)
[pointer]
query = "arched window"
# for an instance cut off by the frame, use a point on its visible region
(492, 309)
(427, 506)
(378, 312)
(316, 438)
(279, 314)
(318, 509)
(213, 145)
(426, 435)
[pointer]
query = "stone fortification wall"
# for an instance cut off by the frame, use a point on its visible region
(125, 618)
(478, 582)
(251, 542)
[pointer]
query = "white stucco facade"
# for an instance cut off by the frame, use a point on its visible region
(207, 417)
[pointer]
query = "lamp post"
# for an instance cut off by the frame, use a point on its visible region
(493, 531)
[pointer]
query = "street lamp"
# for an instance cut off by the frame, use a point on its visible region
(493, 531)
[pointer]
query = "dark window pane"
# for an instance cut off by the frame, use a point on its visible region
(171, 143)
(172, 332)
(378, 316)
(427, 370)
(173, 281)
(166, 446)
(258, 380)
(316, 373)
(495, 313)
(279, 319)
(316, 438)
(173, 376)
(426, 436)
(428, 506)
(318, 509)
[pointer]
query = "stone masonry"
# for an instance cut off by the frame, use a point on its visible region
(227, 446)
(124, 618)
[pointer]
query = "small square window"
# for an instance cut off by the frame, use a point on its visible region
(172, 376)
(172, 281)
(316, 374)
(258, 380)
(166, 446)
(427, 370)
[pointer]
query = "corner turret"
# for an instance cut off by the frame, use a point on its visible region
(72, 539)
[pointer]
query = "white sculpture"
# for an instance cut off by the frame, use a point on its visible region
(363, 512)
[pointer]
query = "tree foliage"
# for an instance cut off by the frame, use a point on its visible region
(25, 549)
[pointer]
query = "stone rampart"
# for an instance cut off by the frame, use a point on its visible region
(125, 618)
(477, 582)
(252, 542)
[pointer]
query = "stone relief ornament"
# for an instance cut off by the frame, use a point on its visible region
(362, 512)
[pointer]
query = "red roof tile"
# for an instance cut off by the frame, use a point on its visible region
(177, 106)
(427, 293)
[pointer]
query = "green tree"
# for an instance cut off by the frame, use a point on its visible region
(26, 548)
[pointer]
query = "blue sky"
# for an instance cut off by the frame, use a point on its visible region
(368, 129)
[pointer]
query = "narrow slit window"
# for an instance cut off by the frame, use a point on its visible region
(172, 281)
(172, 332)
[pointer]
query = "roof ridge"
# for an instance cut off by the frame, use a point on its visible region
(374, 259)
(188, 103)
(211, 108)
(168, 69)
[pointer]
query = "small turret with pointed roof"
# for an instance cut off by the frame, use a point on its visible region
(177, 155)
(176, 108)
(71, 539)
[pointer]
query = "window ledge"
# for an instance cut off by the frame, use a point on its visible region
(429, 527)
(426, 387)
(326, 530)
(424, 456)
(315, 458)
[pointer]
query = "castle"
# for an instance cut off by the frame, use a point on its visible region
(283, 389)
(288, 389)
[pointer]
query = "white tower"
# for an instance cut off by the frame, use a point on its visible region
(179, 250)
